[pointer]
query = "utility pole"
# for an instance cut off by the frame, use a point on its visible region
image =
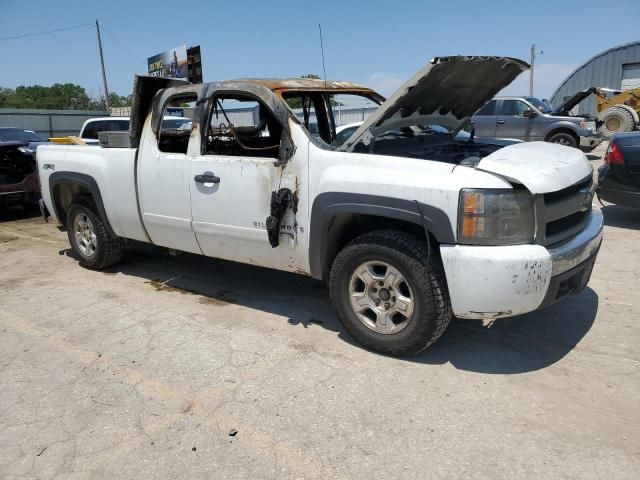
(533, 61)
(104, 75)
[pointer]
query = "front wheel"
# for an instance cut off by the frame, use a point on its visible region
(90, 239)
(389, 296)
(565, 139)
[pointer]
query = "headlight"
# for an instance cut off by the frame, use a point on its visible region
(495, 217)
(588, 125)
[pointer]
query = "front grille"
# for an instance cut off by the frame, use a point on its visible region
(564, 213)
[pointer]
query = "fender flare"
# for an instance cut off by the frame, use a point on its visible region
(87, 182)
(562, 127)
(327, 205)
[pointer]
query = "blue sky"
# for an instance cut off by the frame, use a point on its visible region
(377, 43)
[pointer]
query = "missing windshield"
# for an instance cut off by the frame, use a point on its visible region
(331, 118)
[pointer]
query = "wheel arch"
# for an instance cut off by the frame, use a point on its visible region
(562, 129)
(337, 218)
(65, 187)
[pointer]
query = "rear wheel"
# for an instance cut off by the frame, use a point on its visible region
(90, 239)
(615, 120)
(389, 296)
(563, 138)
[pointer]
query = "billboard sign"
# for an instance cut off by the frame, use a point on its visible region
(170, 64)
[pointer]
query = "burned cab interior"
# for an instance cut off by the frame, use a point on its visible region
(173, 136)
(241, 125)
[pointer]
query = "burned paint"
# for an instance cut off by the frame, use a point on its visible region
(281, 201)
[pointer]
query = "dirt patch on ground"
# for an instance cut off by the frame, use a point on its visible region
(219, 298)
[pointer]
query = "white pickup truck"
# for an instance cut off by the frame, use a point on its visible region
(408, 224)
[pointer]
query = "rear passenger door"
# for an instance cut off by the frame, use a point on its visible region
(164, 162)
(484, 121)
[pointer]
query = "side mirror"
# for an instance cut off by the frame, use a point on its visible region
(529, 113)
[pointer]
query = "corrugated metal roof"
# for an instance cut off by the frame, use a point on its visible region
(601, 70)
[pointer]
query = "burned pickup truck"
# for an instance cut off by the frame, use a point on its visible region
(407, 223)
(18, 175)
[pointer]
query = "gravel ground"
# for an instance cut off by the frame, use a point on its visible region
(187, 367)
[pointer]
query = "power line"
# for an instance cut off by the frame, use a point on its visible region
(47, 32)
(122, 46)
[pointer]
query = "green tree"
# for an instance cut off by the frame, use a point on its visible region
(67, 96)
(116, 100)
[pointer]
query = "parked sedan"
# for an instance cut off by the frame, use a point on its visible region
(619, 176)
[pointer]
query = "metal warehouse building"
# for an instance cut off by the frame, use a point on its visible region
(617, 68)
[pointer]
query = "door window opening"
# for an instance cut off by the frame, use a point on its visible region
(242, 126)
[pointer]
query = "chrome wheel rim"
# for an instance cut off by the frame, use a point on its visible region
(85, 235)
(562, 141)
(381, 297)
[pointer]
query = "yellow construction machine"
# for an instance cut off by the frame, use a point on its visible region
(618, 110)
(615, 110)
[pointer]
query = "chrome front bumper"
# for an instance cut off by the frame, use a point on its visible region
(591, 141)
(579, 248)
(503, 281)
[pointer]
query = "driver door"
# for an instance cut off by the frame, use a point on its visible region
(232, 180)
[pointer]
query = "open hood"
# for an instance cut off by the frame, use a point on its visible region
(446, 91)
(573, 101)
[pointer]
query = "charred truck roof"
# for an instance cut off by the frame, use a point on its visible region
(447, 91)
(151, 93)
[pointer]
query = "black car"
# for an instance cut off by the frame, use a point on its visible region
(12, 134)
(619, 177)
(18, 175)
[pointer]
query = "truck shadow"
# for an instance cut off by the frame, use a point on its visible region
(621, 217)
(519, 344)
(514, 345)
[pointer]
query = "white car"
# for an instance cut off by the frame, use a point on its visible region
(92, 127)
(407, 224)
(343, 132)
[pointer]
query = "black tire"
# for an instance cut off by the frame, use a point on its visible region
(616, 120)
(564, 138)
(108, 248)
(408, 255)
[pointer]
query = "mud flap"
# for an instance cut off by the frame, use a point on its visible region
(281, 200)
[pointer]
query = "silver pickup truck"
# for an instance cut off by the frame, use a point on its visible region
(531, 119)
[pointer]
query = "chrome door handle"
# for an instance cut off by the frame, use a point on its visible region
(206, 178)
(500, 122)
